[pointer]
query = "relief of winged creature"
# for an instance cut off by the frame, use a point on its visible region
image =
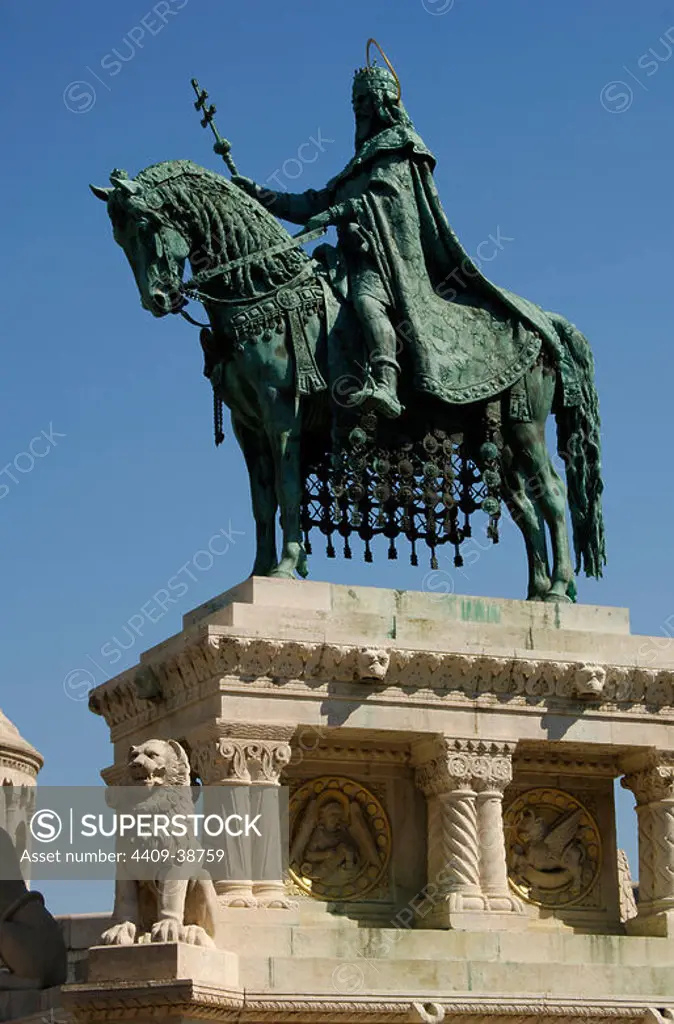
(549, 856)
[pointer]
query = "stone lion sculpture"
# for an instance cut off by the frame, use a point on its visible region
(164, 908)
(372, 663)
(31, 944)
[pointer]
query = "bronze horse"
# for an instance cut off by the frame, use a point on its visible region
(248, 271)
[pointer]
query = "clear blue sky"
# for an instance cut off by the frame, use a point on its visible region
(531, 137)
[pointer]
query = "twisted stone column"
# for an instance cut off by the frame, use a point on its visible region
(650, 777)
(467, 877)
(247, 769)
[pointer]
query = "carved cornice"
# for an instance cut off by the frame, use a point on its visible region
(363, 753)
(199, 666)
(27, 765)
(555, 762)
(476, 765)
(129, 1000)
(132, 1001)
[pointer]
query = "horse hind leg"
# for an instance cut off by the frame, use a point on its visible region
(553, 504)
(543, 485)
(530, 521)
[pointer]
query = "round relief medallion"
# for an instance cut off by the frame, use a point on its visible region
(340, 839)
(553, 847)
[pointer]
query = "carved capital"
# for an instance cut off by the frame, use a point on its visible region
(653, 779)
(456, 764)
(241, 761)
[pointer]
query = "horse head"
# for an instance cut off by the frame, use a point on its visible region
(154, 247)
(177, 211)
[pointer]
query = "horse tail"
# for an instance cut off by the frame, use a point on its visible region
(579, 447)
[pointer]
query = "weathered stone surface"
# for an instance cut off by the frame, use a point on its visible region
(495, 705)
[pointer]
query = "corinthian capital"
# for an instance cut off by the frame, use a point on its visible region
(650, 777)
(458, 764)
(241, 759)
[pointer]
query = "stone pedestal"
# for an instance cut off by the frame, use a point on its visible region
(156, 982)
(450, 765)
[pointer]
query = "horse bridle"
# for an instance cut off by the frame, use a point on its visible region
(191, 289)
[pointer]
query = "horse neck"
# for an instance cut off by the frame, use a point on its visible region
(237, 241)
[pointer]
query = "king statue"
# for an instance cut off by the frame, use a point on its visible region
(461, 375)
(410, 281)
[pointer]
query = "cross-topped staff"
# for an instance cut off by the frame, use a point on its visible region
(222, 146)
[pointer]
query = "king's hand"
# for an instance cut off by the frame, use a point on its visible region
(320, 221)
(245, 184)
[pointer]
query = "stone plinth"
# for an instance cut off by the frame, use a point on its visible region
(157, 980)
(450, 764)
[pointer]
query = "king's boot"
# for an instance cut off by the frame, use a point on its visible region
(380, 391)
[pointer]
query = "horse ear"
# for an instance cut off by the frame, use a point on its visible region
(131, 188)
(101, 193)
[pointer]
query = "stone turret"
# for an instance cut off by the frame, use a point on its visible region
(19, 761)
(19, 765)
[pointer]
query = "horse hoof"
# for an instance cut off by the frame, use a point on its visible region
(558, 598)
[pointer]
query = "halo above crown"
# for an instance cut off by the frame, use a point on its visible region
(373, 76)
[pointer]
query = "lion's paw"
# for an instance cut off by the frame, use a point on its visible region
(167, 930)
(196, 936)
(123, 934)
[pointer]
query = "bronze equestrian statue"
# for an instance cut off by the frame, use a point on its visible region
(383, 386)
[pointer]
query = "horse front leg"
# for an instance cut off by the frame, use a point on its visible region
(285, 446)
(261, 473)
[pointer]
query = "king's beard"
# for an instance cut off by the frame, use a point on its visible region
(366, 128)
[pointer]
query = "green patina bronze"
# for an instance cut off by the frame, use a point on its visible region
(383, 386)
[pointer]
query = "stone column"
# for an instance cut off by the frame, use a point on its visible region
(467, 878)
(248, 767)
(493, 772)
(650, 777)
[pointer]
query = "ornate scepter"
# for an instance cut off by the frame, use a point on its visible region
(224, 146)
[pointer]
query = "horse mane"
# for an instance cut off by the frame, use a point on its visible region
(227, 222)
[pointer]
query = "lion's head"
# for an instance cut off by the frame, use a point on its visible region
(372, 663)
(159, 763)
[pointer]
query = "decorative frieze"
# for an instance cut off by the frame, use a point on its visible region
(96, 1003)
(451, 675)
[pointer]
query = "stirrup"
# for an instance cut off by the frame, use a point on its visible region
(367, 391)
(385, 402)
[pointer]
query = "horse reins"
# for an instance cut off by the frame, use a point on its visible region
(191, 288)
